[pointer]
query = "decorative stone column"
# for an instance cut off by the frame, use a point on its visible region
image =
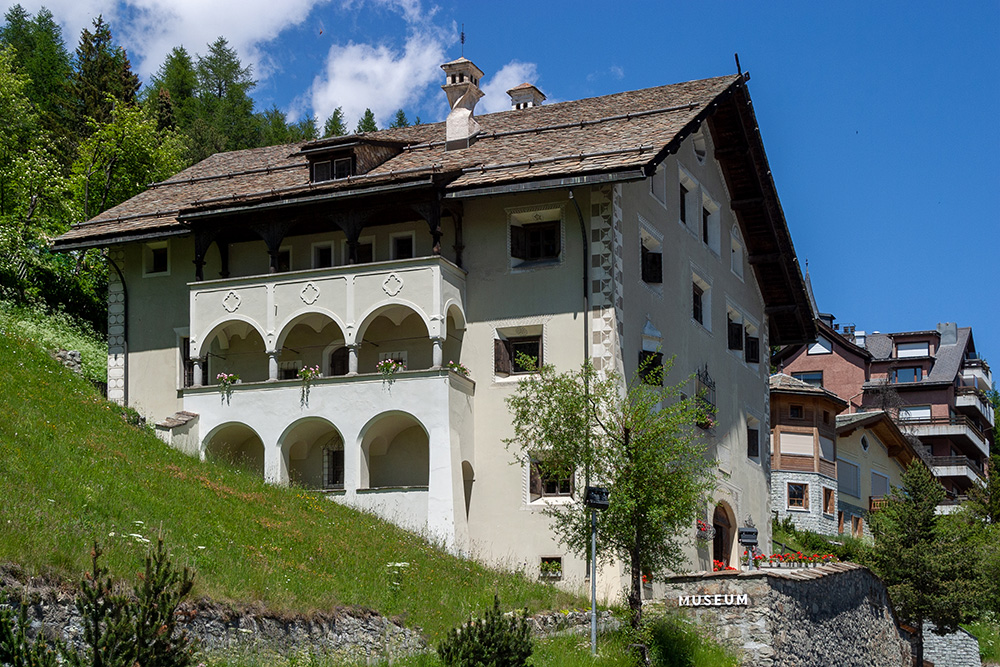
(116, 330)
(438, 352)
(196, 372)
(272, 365)
(352, 359)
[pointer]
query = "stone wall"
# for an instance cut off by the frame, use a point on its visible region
(813, 519)
(836, 614)
(957, 649)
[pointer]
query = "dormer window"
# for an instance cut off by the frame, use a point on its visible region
(332, 169)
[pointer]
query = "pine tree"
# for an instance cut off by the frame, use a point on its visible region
(178, 77)
(226, 119)
(221, 74)
(334, 125)
(41, 55)
(924, 558)
(366, 123)
(399, 120)
(103, 76)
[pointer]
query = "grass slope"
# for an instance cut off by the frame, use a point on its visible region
(73, 471)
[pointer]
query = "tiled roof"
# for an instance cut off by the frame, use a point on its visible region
(781, 382)
(624, 131)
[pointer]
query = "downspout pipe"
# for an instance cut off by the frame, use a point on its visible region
(585, 237)
(121, 277)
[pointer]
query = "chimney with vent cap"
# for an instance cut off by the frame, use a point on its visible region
(524, 96)
(462, 88)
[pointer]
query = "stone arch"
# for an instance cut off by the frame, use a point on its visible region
(311, 317)
(312, 454)
(220, 325)
(724, 523)
(390, 309)
(234, 345)
(395, 451)
(398, 331)
(236, 444)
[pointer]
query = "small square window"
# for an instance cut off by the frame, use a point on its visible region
(156, 259)
(798, 496)
(548, 481)
(551, 567)
(507, 354)
(322, 171)
(796, 412)
(284, 260)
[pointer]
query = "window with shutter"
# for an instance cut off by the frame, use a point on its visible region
(548, 481)
(735, 335)
(517, 243)
(652, 266)
(753, 442)
(752, 349)
(651, 367)
(501, 357)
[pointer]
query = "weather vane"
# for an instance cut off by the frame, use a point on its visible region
(463, 40)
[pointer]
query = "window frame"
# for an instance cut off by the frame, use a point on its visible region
(317, 248)
(150, 252)
(330, 468)
(829, 501)
(797, 376)
(504, 354)
(804, 506)
(539, 481)
(528, 217)
(394, 237)
(753, 438)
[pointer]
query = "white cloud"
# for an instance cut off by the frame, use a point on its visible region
(149, 29)
(512, 74)
(359, 76)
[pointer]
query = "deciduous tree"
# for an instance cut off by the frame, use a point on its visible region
(641, 441)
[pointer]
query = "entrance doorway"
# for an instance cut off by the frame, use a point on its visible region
(722, 544)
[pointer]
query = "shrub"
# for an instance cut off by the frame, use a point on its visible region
(119, 630)
(674, 643)
(496, 640)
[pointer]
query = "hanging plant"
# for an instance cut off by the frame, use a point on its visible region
(226, 382)
(456, 367)
(388, 368)
(307, 374)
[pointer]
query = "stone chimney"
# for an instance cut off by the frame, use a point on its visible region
(462, 88)
(524, 96)
(949, 332)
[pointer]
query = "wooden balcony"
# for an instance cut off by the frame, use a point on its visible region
(875, 503)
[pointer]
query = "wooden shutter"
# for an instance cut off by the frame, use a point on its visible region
(735, 335)
(501, 357)
(518, 243)
(535, 481)
(752, 349)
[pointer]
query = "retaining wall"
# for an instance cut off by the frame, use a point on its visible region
(837, 614)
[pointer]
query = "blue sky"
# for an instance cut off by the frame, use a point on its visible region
(880, 120)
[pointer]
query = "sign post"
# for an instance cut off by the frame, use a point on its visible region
(596, 498)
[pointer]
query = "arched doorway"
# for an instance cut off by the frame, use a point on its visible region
(313, 454)
(722, 543)
(238, 445)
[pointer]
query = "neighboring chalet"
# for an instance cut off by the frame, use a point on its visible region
(933, 382)
(612, 228)
(829, 470)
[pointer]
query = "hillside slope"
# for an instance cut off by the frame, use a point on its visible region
(73, 471)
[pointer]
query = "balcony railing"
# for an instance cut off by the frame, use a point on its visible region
(876, 503)
(954, 420)
(957, 462)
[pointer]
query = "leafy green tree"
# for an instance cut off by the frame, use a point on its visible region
(641, 441)
(121, 157)
(924, 559)
(334, 125)
(103, 76)
(366, 123)
(399, 120)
